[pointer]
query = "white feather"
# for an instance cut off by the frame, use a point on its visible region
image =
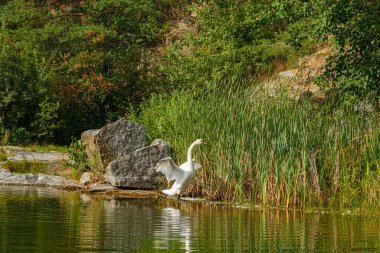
(183, 175)
(170, 169)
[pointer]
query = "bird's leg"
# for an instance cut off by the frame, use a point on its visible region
(179, 197)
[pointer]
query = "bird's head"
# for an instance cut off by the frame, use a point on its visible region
(199, 141)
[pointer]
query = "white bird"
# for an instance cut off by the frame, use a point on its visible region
(183, 175)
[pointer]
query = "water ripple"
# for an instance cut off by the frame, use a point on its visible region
(48, 220)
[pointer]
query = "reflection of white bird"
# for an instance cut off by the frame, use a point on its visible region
(183, 175)
(173, 224)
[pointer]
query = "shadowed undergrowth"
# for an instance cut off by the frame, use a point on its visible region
(272, 150)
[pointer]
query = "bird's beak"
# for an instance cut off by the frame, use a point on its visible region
(203, 142)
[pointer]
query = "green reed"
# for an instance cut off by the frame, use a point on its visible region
(272, 150)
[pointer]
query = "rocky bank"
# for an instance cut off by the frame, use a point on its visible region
(118, 157)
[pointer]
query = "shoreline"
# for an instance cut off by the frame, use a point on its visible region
(62, 182)
(108, 190)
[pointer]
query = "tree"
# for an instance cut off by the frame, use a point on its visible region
(73, 65)
(355, 26)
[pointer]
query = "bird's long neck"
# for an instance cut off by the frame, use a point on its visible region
(189, 153)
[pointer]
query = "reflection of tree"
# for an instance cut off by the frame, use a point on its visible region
(38, 219)
(118, 224)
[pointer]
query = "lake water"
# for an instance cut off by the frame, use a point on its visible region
(49, 220)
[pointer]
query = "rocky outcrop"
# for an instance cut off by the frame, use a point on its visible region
(118, 148)
(136, 170)
(301, 80)
(43, 157)
(86, 178)
(113, 141)
(133, 166)
(9, 178)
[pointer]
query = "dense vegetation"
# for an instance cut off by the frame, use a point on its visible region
(67, 66)
(272, 149)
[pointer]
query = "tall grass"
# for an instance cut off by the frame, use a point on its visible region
(271, 150)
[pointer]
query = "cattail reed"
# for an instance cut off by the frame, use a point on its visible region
(272, 150)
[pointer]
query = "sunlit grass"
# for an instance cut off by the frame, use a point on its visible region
(25, 167)
(269, 150)
(3, 155)
(45, 148)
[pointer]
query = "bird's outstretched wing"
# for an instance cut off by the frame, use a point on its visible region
(171, 170)
(186, 166)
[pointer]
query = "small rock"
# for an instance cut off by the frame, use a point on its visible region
(101, 188)
(364, 107)
(113, 141)
(86, 178)
(136, 170)
(165, 147)
(288, 74)
(5, 173)
(31, 178)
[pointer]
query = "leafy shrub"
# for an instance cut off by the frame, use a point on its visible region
(65, 70)
(3, 155)
(3, 142)
(20, 94)
(355, 26)
(78, 159)
(236, 40)
(46, 121)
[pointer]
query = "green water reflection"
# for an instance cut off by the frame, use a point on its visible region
(49, 220)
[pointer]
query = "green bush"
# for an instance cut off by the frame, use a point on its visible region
(78, 159)
(20, 93)
(241, 40)
(65, 70)
(237, 40)
(355, 26)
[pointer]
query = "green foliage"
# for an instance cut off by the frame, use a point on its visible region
(3, 155)
(3, 142)
(25, 167)
(20, 94)
(242, 40)
(45, 148)
(78, 159)
(46, 121)
(73, 66)
(68, 67)
(237, 40)
(355, 26)
(271, 150)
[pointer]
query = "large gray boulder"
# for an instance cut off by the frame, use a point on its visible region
(112, 142)
(136, 170)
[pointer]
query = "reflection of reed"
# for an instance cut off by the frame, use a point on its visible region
(46, 218)
(91, 219)
(288, 231)
(312, 232)
(334, 234)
